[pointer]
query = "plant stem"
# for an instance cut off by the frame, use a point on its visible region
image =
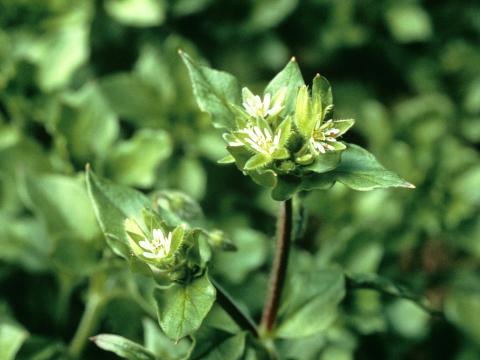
(227, 303)
(87, 325)
(279, 269)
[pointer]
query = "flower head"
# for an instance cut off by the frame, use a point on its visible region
(157, 247)
(269, 106)
(260, 140)
(324, 137)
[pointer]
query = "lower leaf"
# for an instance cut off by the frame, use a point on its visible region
(182, 307)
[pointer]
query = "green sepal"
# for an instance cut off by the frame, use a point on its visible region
(229, 159)
(322, 96)
(304, 117)
(285, 128)
(257, 161)
(281, 154)
(343, 125)
(338, 145)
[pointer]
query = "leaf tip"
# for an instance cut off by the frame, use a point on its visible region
(180, 51)
(293, 59)
(410, 186)
(88, 168)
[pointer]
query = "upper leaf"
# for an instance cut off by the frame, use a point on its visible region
(215, 91)
(113, 204)
(360, 170)
(290, 77)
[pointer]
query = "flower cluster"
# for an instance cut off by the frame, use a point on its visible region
(171, 253)
(271, 136)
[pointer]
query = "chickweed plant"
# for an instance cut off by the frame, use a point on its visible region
(286, 139)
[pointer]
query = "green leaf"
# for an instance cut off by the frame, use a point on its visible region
(12, 337)
(325, 162)
(462, 308)
(132, 98)
(285, 188)
(311, 304)
(60, 49)
(290, 77)
(160, 345)
(137, 12)
(89, 124)
(257, 161)
(266, 178)
(134, 162)
(63, 202)
(387, 286)
(182, 307)
(214, 344)
(124, 348)
(360, 170)
(215, 91)
(113, 204)
(409, 22)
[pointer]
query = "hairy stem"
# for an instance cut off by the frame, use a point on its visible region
(279, 269)
(227, 303)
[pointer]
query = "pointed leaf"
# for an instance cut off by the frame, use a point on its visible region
(360, 170)
(291, 77)
(123, 347)
(113, 204)
(215, 91)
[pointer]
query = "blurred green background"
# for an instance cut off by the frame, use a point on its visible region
(101, 82)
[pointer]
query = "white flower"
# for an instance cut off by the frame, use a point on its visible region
(255, 106)
(158, 247)
(324, 137)
(260, 140)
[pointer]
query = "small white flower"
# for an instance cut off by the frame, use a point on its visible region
(323, 136)
(158, 247)
(261, 140)
(255, 106)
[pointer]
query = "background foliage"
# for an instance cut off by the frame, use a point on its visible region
(101, 82)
